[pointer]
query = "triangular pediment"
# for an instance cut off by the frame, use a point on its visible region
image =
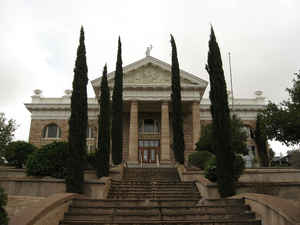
(150, 70)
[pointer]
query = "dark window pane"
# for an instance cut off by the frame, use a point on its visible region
(52, 131)
(153, 155)
(140, 143)
(141, 126)
(156, 127)
(149, 125)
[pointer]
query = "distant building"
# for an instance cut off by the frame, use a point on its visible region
(147, 128)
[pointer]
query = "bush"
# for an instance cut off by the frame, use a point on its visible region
(200, 159)
(211, 173)
(17, 152)
(3, 202)
(210, 170)
(50, 160)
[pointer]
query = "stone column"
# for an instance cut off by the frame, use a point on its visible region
(133, 134)
(165, 134)
(196, 122)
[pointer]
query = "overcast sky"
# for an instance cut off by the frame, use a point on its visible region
(39, 39)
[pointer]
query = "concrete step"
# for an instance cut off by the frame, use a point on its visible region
(175, 210)
(163, 222)
(88, 202)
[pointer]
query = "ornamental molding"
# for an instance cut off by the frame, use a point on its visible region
(150, 70)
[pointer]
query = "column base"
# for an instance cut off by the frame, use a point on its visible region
(132, 164)
(166, 163)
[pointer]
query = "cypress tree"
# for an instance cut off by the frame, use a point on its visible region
(177, 121)
(220, 120)
(78, 123)
(261, 141)
(102, 154)
(117, 111)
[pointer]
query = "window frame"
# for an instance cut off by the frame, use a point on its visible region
(45, 131)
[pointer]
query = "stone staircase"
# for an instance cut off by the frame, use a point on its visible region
(157, 196)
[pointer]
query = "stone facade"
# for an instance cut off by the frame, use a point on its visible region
(147, 126)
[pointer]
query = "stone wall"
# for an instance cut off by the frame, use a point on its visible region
(273, 210)
(37, 126)
(48, 186)
(45, 212)
(284, 183)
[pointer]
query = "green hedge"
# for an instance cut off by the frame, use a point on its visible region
(50, 160)
(17, 152)
(211, 173)
(200, 159)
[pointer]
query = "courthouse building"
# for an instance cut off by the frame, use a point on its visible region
(147, 116)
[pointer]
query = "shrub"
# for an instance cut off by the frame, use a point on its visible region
(211, 173)
(210, 170)
(50, 160)
(3, 202)
(17, 152)
(200, 159)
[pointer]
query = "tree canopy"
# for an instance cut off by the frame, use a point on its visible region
(282, 121)
(221, 127)
(117, 111)
(7, 129)
(103, 153)
(239, 138)
(177, 118)
(78, 122)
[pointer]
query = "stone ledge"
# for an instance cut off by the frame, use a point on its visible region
(288, 209)
(38, 210)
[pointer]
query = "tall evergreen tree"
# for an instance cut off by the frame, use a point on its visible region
(102, 154)
(220, 119)
(177, 121)
(117, 111)
(78, 123)
(261, 141)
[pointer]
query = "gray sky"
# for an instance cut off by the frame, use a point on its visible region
(39, 39)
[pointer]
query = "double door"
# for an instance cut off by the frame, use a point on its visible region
(149, 151)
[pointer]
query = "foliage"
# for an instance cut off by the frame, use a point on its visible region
(239, 138)
(177, 121)
(294, 158)
(261, 141)
(78, 123)
(117, 110)
(211, 170)
(17, 152)
(50, 160)
(7, 129)
(222, 133)
(102, 153)
(3, 202)
(283, 121)
(200, 159)
(211, 173)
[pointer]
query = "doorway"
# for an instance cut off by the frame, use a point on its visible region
(149, 151)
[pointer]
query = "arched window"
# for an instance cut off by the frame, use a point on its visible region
(51, 131)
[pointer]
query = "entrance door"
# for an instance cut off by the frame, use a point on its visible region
(148, 151)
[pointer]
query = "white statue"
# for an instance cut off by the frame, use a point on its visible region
(148, 50)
